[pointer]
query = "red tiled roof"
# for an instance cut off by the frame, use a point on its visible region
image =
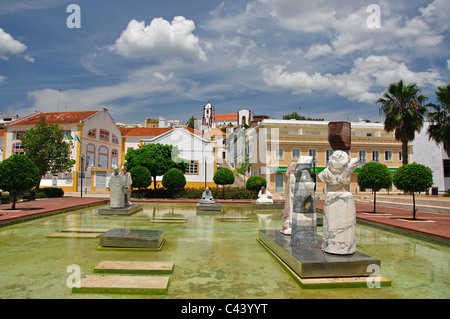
(226, 117)
(55, 118)
(144, 131)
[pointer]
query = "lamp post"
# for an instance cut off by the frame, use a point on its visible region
(206, 171)
(315, 175)
(81, 175)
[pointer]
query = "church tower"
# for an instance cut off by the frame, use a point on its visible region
(208, 115)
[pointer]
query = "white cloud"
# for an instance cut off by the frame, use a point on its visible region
(160, 39)
(8, 45)
(356, 85)
(317, 50)
(2, 78)
(448, 64)
(437, 12)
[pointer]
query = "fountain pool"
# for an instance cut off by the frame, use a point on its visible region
(213, 257)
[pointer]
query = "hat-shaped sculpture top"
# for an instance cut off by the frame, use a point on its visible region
(339, 135)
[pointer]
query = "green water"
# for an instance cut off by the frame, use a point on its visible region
(213, 259)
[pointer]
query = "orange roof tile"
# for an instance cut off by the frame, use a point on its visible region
(55, 118)
(226, 117)
(144, 131)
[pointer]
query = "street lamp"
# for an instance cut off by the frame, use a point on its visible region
(205, 160)
(81, 175)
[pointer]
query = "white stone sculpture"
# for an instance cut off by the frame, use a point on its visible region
(339, 213)
(116, 189)
(264, 196)
(286, 228)
(126, 176)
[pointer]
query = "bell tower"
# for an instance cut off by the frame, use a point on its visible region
(208, 115)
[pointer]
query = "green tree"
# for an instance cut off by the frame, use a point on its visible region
(439, 116)
(413, 178)
(173, 179)
(192, 122)
(295, 116)
(374, 176)
(157, 158)
(244, 166)
(255, 183)
(141, 177)
(404, 112)
(223, 176)
(18, 174)
(45, 146)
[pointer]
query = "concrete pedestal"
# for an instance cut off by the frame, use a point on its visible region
(132, 238)
(127, 210)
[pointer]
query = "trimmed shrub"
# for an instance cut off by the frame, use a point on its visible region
(141, 177)
(413, 178)
(223, 176)
(255, 183)
(173, 179)
(49, 192)
(374, 176)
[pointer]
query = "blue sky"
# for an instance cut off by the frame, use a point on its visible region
(169, 58)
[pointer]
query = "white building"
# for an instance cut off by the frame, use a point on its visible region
(96, 142)
(199, 151)
(428, 153)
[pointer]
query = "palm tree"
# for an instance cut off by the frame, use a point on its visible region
(439, 129)
(404, 112)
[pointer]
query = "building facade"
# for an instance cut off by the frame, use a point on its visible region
(197, 149)
(97, 146)
(273, 144)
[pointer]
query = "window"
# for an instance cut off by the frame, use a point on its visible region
(18, 135)
(362, 157)
(114, 158)
(279, 153)
(296, 153)
(313, 153)
(103, 157)
(92, 133)
(104, 135)
(90, 155)
(115, 140)
(375, 156)
(328, 154)
(388, 156)
(17, 148)
(446, 168)
(400, 156)
(192, 168)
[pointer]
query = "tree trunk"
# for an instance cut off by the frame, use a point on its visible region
(414, 206)
(405, 152)
(375, 201)
(154, 182)
(14, 201)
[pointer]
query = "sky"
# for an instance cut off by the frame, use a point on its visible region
(322, 59)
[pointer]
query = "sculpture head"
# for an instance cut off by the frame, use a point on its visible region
(338, 161)
(263, 190)
(207, 189)
(116, 171)
(124, 169)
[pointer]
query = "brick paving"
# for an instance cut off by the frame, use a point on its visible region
(431, 226)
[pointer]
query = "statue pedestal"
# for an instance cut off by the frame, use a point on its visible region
(209, 207)
(132, 238)
(127, 210)
(317, 269)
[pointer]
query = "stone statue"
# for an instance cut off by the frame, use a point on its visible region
(264, 196)
(116, 189)
(339, 213)
(304, 222)
(126, 176)
(286, 228)
(207, 197)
